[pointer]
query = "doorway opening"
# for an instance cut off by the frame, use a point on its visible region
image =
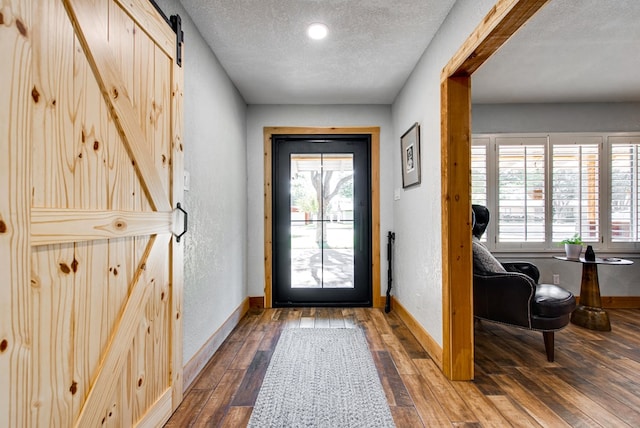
(373, 191)
(322, 220)
(503, 20)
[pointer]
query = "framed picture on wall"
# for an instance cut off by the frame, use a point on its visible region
(410, 146)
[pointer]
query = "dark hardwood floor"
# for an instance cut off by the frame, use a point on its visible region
(595, 380)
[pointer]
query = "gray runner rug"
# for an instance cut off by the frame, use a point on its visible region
(321, 378)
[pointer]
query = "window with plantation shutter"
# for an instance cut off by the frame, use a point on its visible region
(575, 195)
(624, 188)
(543, 188)
(479, 172)
(521, 190)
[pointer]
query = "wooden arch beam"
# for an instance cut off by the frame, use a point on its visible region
(503, 20)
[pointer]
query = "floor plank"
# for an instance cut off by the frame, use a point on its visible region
(236, 417)
(594, 382)
(252, 380)
(406, 417)
(189, 409)
(427, 405)
(396, 392)
(217, 407)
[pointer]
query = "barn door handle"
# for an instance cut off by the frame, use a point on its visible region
(184, 230)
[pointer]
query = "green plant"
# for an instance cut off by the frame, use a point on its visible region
(575, 239)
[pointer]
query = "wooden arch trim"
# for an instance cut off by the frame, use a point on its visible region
(502, 21)
(375, 202)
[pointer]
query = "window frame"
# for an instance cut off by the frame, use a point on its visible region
(604, 244)
(584, 141)
(518, 141)
(611, 140)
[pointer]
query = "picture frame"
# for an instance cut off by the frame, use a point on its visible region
(410, 156)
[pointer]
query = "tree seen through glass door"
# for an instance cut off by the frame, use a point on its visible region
(322, 223)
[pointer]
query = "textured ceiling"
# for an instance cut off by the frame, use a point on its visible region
(372, 46)
(571, 51)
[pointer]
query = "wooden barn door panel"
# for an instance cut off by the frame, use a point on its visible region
(91, 167)
(16, 327)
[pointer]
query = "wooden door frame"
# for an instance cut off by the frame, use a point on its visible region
(502, 21)
(374, 132)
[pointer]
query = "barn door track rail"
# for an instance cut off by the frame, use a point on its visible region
(175, 22)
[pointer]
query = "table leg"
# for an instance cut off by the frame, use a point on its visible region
(589, 313)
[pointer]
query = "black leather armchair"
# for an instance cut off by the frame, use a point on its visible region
(509, 293)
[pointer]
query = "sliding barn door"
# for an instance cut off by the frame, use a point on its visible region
(90, 175)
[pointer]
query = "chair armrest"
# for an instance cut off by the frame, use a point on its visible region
(526, 268)
(504, 297)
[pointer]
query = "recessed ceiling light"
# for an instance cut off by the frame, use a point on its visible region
(317, 31)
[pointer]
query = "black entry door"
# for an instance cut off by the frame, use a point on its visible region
(322, 220)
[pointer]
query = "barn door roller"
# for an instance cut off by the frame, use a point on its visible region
(175, 22)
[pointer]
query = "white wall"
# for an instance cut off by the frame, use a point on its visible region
(417, 219)
(215, 156)
(260, 116)
(571, 117)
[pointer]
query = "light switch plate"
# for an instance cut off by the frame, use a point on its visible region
(187, 180)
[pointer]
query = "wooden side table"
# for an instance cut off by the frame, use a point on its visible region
(589, 313)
